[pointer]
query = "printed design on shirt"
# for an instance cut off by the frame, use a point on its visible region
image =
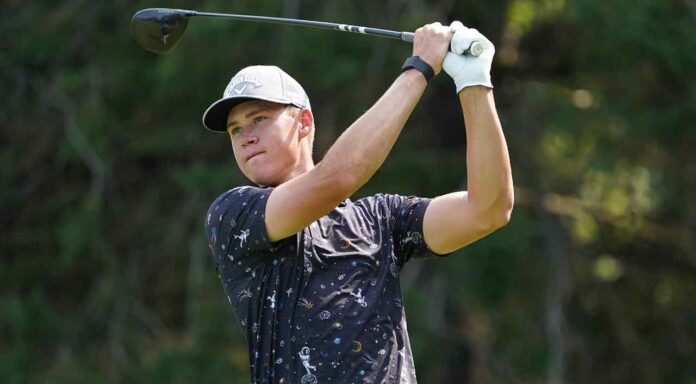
(244, 294)
(357, 346)
(242, 237)
(393, 265)
(393, 268)
(412, 237)
(337, 255)
(324, 315)
(345, 243)
(307, 262)
(305, 303)
(308, 378)
(373, 361)
(359, 298)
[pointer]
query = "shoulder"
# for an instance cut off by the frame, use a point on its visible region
(241, 194)
(236, 198)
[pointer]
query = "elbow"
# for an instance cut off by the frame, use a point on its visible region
(501, 212)
(506, 209)
(502, 218)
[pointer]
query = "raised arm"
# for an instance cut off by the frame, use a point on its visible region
(359, 151)
(454, 220)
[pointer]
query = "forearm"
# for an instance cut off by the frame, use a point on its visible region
(362, 148)
(489, 177)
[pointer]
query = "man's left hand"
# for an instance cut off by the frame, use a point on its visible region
(467, 70)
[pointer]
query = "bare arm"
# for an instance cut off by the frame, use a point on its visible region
(359, 151)
(457, 219)
(348, 164)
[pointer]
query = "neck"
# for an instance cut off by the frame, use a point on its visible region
(304, 165)
(299, 171)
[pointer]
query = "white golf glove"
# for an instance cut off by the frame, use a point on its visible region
(468, 70)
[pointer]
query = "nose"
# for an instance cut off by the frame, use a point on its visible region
(249, 139)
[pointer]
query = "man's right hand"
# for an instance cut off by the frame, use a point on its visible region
(431, 43)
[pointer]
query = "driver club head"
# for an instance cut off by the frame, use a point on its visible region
(159, 29)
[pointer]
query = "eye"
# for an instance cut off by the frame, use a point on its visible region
(259, 119)
(235, 131)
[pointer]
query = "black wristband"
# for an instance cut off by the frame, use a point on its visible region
(418, 64)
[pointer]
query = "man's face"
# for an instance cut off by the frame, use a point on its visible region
(265, 140)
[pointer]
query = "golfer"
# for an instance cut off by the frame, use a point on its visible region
(312, 276)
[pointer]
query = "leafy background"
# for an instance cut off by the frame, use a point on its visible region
(107, 174)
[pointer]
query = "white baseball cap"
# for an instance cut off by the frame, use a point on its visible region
(258, 82)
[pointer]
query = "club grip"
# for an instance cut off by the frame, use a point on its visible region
(407, 36)
(475, 49)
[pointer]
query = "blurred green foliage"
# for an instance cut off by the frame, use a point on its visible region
(107, 174)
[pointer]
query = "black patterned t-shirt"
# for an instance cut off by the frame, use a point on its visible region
(325, 305)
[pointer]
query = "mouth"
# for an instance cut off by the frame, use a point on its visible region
(253, 154)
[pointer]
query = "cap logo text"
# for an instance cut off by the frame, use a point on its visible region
(240, 83)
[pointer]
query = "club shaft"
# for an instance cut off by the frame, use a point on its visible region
(405, 36)
(474, 49)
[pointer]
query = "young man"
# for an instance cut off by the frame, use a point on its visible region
(312, 276)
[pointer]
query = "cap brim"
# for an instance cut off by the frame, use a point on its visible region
(215, 117)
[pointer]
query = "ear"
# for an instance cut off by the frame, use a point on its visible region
(306, 122)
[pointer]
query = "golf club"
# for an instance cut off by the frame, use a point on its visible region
(159, 29)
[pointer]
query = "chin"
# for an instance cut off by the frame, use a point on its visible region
(263, 180)
(266, 175)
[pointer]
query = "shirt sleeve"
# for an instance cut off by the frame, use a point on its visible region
(235, 225)
(406, 221)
